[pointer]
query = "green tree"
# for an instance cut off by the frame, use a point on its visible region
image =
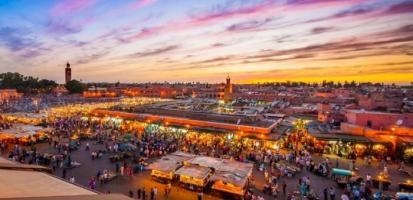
(75, 86)
(25, 84)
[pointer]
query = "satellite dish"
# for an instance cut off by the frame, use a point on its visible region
(399, 122)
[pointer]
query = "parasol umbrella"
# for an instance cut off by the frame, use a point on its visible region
(127, 137)
(127, 147)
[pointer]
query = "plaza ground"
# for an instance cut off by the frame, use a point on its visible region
(122, 184)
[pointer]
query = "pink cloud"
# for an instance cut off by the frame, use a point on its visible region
(70, 6)
(142, 3)
(246, 12)
(204, 19)
(136, 5)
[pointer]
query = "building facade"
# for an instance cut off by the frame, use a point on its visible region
(8, 94)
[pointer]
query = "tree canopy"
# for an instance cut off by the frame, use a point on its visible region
(75, 86)
(25, 84)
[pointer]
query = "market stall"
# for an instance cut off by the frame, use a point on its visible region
(24, 134)
(404, 196)
(164, 169)
(381, 181)
(232, 177)
(406, 185)
(289, 169)
(24, 118)
(194, 177)
(342, 176)
(205, 161)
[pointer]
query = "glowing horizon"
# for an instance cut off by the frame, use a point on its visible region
(203, 41)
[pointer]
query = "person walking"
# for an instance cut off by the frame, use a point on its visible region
(368, 179)
(143, 193)
(64, 173)
(332, 193)
(117, 167)
(166, 191)
(155, 192)
(169, 188)
(200, 196)
(152, 194)
(72, 179)
(122, 170)
(139, 193)
(337, 163)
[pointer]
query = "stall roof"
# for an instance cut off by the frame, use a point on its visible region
(171, 162)
(233, 172)
(406, 139)
(20, 130)
(183, 154)
(194, 171)
(206, 161)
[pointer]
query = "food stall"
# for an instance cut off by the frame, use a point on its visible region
(406, 185)
(24, 118)
(118, 157)
(194, 177)
(360, 149)
(24, 134)
(382, 179)
(164, 169)
(379, 150)
(231, 178)
(404, 196)
(342, 176)
(205, 161)
(342, 144)
(289, 169)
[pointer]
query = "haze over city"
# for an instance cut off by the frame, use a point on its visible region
(167, 40)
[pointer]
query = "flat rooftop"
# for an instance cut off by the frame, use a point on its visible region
(77, 197)
(204, 111)
(17, 183)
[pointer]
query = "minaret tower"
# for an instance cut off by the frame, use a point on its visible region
(228, 90)
(68, 73)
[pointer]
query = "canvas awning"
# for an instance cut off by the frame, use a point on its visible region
(206, 161)
(194, 171)
(233, 172)
(342, 137)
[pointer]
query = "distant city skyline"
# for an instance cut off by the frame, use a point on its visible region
(203, 41)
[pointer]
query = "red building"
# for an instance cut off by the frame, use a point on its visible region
(379, 120)
(8, 94)
(99, 93)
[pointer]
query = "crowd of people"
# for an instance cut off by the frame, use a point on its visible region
(35, 103)
(155, 141)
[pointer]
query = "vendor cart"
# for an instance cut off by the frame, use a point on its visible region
(406, 186)
(383, 179)
(342, 176)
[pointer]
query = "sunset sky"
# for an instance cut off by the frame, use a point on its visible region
(204, 40)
